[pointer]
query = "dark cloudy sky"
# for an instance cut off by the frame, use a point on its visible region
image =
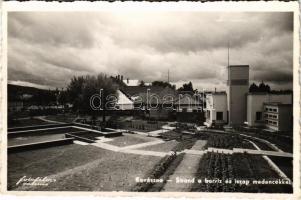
(47, 49)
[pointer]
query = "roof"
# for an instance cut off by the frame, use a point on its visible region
(130, 82)
(123, 99)
(268, 93)
(238, 65)
(217, 93)
(187, 100)
(155, 93)
(277, 104)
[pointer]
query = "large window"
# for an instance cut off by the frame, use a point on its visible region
(219, 115)
(258, 116)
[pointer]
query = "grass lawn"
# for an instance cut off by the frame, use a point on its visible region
(285, 164)
(165, 147)
(34, 139)
(27, 122)
(237, 167)
(284, 143)
(228, 141)
(79, 168)
(255, 167)
(262, 145)
(127, 140)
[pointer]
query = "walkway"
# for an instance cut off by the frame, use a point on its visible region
(185, 171)
(132, 149)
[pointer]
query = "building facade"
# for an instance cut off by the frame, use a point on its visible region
(278, 116)
(216, 109)
(255, 106)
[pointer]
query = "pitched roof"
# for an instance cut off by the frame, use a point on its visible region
(155, 93)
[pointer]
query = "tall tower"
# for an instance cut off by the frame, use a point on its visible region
(237, 89)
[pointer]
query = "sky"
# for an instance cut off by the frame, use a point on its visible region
(46, 49)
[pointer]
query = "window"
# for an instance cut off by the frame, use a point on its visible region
(219, 115)
(258, 116)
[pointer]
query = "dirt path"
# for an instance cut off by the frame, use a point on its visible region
(185, 171)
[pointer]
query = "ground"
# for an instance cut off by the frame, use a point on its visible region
(112, 164)
(115, 171)
(127, 140)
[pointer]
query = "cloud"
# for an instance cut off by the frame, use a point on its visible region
(49, 48)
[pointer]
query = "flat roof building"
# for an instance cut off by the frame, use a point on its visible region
(216, 109)
(278, 116)
(255, 104)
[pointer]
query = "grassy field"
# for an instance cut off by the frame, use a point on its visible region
(79, 168)
(127, 140)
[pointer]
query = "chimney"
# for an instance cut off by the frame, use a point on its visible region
(121, 78)
(215, 90)
(118, 77)
(127, 80)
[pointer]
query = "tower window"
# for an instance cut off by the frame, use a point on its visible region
(258, 116)
(219, 115)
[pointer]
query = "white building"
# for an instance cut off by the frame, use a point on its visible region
(278, 116)
(216, 109)
(255, 104)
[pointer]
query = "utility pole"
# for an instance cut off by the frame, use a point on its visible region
(168, 76)
(229, 86)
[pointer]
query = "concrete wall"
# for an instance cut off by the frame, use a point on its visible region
(285, 118)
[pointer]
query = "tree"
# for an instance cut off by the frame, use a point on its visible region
(141, 83)
(81, 89)
(163, 84)
(187, 87)
(261, 88)
(253, 88)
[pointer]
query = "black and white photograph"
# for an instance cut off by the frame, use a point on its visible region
(156, 101)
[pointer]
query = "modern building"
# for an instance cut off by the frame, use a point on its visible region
(278, 116)
(238, 87)
(255, 105)
(216, 109)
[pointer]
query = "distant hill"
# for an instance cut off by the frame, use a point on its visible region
(18, 89)
(15, 92)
